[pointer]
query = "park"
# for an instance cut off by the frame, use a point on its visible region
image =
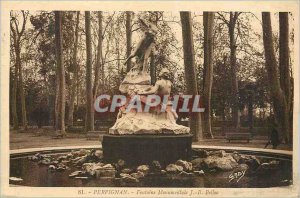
(151, 99)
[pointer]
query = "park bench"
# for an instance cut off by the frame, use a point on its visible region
(238, 136)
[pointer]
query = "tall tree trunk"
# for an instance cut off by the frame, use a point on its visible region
(118, 57)
(190, 73)
(75, 76)
(152, 68)
(61, 100)
(98, 65)
(284, 54)
(154, 19)
(208, 22)
(234, 80)
(281, 110)
(57, 93)
(17, 35)
(250, 113)
(284, 64)
(128, 38)
(89, 123)
(14, 100)
(22, 96)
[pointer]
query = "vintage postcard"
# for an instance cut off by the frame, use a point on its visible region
(149, 98)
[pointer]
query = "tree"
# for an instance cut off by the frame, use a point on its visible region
(234, 81)
(18, 74)
(190, 74)
(284, 53)
(220, 94)
(98, 65)
(14, 92)
(89, 122)
(249, 94)
(281, 109)
(128, 38)
(75, 74)
(118, 50)
(154, 18)
(284, 64)
(60, 73)
(231, 24)
(208, 23)
(152, 68)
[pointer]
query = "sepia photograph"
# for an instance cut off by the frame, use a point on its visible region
(149, 101)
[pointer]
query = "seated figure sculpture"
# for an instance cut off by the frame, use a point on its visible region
(155, 121)
(161, 88)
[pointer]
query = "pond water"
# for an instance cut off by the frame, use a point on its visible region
(37, 175)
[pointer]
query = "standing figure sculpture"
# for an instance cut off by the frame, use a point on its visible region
(138, 76)
(144, 47)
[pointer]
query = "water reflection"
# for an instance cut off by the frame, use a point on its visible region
(39, 176)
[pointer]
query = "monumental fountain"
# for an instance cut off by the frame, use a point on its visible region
(147, 148)
(151, 132)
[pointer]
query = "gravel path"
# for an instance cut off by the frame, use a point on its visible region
(31, 139)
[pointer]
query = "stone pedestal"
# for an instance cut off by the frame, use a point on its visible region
(143, 149)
